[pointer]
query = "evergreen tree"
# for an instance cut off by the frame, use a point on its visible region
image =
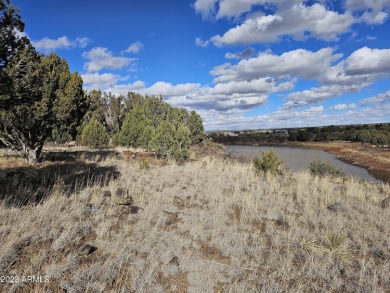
(181, 150)
(96, 106)
(52, 101)
(155, 125)
(37, 94)
(132, 132)
(164, 142)
(114, 113)
(196, 127)
(69, 108)
(11, 41)
(94, 134)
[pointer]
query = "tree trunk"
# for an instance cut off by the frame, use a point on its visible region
(32, 155)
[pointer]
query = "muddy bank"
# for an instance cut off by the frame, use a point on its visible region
(375, 159)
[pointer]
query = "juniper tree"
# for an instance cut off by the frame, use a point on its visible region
(11, 41)
(53, 98)
(133, 129)
(94, 134)
(196, 127)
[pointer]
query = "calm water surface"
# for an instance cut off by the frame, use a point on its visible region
(299, 158)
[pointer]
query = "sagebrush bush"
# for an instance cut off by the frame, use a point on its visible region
(322, 168)
(94, 135)
(268, 164)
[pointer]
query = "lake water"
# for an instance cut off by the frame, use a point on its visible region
(299, 158)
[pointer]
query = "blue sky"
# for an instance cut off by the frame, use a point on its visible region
(240, 64)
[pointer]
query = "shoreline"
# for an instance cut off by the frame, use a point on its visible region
(374, 159)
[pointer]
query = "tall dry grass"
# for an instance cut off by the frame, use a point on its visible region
(209, 226)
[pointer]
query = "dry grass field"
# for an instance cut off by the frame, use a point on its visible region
(98, 222)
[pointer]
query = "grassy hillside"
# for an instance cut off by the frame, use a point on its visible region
(111, 224)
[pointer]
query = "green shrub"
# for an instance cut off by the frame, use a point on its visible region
(144, 164)
(321, 168)
(268, 164)
(94, 135)
(172, 143)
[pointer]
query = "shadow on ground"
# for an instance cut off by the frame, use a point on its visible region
(71, 156)
(33, 184)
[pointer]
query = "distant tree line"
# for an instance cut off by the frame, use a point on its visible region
(41, 101)
(376, 134)
(248, 137)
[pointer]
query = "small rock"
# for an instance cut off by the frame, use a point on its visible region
(385, 203)
(337, 208)
(86, 249)
(91, 208)
(107, 193)
(121, 191)
(174, 261)
(135, 209)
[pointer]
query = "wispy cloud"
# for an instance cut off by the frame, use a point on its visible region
(134, 48)
(344, 106)
(47, 44)
(201, 43)
(378, 99)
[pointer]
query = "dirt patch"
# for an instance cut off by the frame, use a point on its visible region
(259, 225)
(171, 221)
(234, 214)
(212, 253)
(174, 283)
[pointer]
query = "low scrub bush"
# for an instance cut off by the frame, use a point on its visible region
(268, 164)
(322, 168)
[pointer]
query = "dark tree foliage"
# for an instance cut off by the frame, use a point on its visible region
(152, 124)
(94, 134)
(38, 94)
(377, 134)
(56, 102)
(196, 127)
(303, 135)
(11, 41)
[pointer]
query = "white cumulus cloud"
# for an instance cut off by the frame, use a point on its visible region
(205, 7)
(100, 81)
(372, 11)
(368, 61)
(100, 58)
(297, 63)
(300, 22)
